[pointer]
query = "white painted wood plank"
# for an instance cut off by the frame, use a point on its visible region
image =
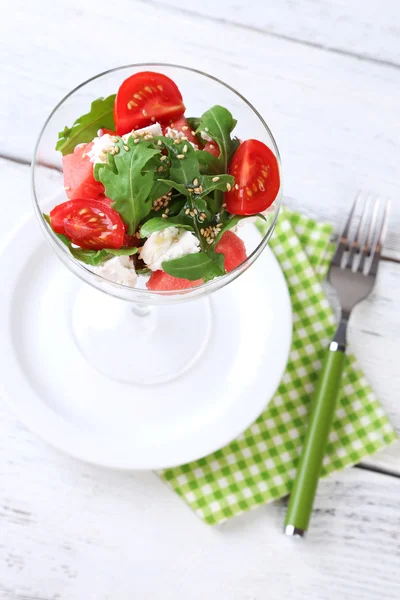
(72, 532)
(335, 118)
(374, 332)
(367, 29)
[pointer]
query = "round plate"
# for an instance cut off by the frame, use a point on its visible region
(62, 398)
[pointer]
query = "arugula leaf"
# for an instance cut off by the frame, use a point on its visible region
(233, 221)
(209, 164)
(129, 187)
(218, 123)
(92, 257)
(158, 223)
(193, 266)
(85, 128)
(194, 122)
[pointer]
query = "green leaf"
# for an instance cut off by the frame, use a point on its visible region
(208, 185)
(218, 123)
(92, 257)
(194, 122)
(182, 170)
(193, 266)
(158, 223)
(85, 128)
(130, 187)
(209, 164)
(233, 221)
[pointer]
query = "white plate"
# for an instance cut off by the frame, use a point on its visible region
(58, 395)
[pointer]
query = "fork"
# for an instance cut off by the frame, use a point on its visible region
(352, 273)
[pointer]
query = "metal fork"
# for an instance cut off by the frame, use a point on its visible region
(352, 273)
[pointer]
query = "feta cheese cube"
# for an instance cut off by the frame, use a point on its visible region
(168, 244)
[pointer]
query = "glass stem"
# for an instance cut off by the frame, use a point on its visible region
(140, 310)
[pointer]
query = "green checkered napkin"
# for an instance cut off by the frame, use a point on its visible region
(260, 465)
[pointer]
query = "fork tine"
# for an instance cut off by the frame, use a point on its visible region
(366, 245)
(343, 243)
(380, 240)
(359, 236)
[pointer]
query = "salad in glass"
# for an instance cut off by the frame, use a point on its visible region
(152, 192)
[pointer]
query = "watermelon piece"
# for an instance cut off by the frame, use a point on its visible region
(160, 280)
(180, 123)
(233, 249)
(79, 179)
(212, 148)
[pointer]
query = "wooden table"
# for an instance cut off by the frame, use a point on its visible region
(326, 76)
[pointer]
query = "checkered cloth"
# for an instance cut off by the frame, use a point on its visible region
(260, 465)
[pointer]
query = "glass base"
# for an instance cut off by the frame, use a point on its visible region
(143, 345)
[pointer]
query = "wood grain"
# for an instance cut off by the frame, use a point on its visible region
(365, 30)
(81, 533)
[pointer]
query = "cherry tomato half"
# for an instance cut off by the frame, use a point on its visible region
(89, 224)
(144, 98)
(256, 172)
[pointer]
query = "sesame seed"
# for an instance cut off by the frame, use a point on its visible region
(196, 212)
(209, 241)
(137, 140)
(114, 139)
(180, 156)
(148, 136)
(204, 215)
(166, 211)
(193, 133)
(202, 231)
(184, 138)
(126, 148)
(160, 169)
(177, 142)
(164, 216)
(184, 149)
(187, 211)
(159, 142)
(205, 128)
(115, 226)
(224, 205)
(185, 128)
(215, 179)
(163, 158)
(228, 187)
(195, 182)
(144, 113)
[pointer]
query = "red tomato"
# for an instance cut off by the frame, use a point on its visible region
(144, 98)
(159, 280)
(79, 179)
(88, 224)
(256, 172)
(233, 249)
(181, 124)
(212, 148)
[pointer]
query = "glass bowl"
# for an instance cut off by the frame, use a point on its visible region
(156, 321)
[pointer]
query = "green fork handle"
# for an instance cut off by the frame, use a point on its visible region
(320, 422)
